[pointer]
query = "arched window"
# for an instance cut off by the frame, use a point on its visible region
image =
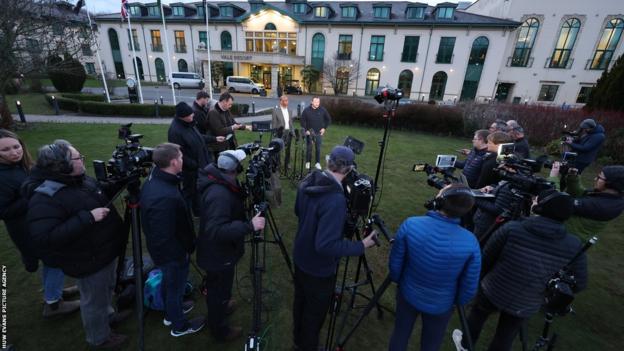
(405, 82)
(565, 43)
(226, 41)
(475, 67)
(438, 85)
(372, 81)
(140, 66)
(160, 70)
(182, 66)
(524, 44)
(608, 42)
(318, 51)
(270, 26)
(114, 44)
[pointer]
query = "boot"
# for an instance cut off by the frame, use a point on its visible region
(60, 307)
(114, 341)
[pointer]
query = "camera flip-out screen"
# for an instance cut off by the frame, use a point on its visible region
(445, 161)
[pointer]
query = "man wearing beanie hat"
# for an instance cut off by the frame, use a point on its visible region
(594, 209)
(322, 211)
(183, 131)
(220, 244)
(587, 144)
(518, 261)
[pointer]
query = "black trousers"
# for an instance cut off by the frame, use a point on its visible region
(286, 136)
(506, 330)
(219, 292)
(312, 300)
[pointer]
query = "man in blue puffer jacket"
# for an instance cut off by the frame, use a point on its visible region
(436, 264)
(587, 144)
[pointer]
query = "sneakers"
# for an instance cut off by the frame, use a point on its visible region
(307, 165)
(192, 326)
(114, 341)
(457, 339)
(60, 307)
(317, 166)
(187, 306)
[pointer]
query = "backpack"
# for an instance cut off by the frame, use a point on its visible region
(152, 294)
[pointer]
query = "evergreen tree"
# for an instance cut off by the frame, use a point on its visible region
(609, 91)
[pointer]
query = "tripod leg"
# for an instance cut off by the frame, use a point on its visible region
(138, 267)
(277, 237)
(524, 335)
(464, 323)
(338, 294)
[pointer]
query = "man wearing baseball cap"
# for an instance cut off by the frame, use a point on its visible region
(587, 143)
(319, 244)
(222, 229)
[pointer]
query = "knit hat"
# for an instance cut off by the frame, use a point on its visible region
(588, 124)
(230, 159)
(554, 205)
(615, 177)
(342, 154)
(182, 110)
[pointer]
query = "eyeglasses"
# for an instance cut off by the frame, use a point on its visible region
(81, 157)
(601, 178)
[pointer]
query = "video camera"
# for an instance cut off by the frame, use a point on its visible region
(359, 190)
(388, 93)
(437, 177)
(567, 161)
(263, 162)
(128, 160)
(520, 172)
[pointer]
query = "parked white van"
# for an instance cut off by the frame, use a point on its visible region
(187, 80)
(243, 84)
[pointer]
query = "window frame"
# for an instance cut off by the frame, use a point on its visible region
(445, 13)
(377, 46)
(409, 14)
(548, 92)
(599, 63)
(414, 48)
(349, 10)
(440, 48)
(382, 12)
(177, 11)
(564, 53)
(343, 53)
(321, 12)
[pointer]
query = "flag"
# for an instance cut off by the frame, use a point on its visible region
(124, 9)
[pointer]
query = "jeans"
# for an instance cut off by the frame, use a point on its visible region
(318, 141)
(53, 282)
(96, 293)
(433, 326)
(506, 330)
(219, 292)
(175, 275)
(313, 296)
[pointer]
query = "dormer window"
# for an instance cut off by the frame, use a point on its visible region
(178, 11)
(381, 12)
(300, 8)
(226, 11)
(135, 11)
(153, 11)
(349, 12)
(200, 11)
(415, 13)
(445, 13)
(256, 6)
(320, 11)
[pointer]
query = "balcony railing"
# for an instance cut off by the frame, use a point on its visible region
(444, 59)
(370, 58)
(157, 47)
(549, 64)
(603, 65)
(344, 56)
(414, 60)
(512, 63)
(137, 47)
(180, 48)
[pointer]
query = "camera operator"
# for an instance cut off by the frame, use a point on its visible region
(282, 123)
(487, 175)
(489, 209)
(471, 166)
(436, 264)
(314, 120)
(221, 123)
(594, 209)
(518, 262)
(169, 234)
(183, 132)
(222, 229)
(321, 208)
(73, 229)
(521, 145)
(587, 143)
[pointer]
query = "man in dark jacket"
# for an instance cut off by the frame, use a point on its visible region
(518, 261)
(521, 145)
(222, 229)
(169, 234)
(587, 144)
(183, 131)
(221, 123)
(73, 228)
(314, 120)
(471, 166)
(322, 211)
(488, 176)
(200, 111)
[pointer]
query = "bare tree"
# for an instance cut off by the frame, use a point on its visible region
(32, 33)
(340, 73)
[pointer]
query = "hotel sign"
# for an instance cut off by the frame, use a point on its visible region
(256, 57)
(236, 58)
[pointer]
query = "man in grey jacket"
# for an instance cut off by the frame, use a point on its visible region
(282, 123)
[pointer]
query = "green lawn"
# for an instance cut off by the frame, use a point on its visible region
(32, 103)
(596, 325)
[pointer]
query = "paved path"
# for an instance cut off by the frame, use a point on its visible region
(118, 120)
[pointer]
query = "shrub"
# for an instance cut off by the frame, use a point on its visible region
(239, 109)
(64, 103)
(67, 76)
(35, 85)
(84, 97)
(13, 87)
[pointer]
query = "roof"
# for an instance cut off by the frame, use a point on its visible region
(365, 9)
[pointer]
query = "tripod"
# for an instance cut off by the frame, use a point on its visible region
(390, 107)
(517, 209)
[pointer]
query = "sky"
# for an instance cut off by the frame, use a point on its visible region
(112, 6)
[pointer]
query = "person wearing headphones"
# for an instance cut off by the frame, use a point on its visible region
(587, 144)
(436, 264)
(518, 261)
(221, 241)
(73, 227)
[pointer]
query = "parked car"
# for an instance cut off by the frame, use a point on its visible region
(293, 89)
(187, 80)
(243, 84)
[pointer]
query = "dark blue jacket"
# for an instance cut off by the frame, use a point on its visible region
(166, 221)
(322, 210)
(472, 166)
(315, 119)
(436, 262)
(589, 145)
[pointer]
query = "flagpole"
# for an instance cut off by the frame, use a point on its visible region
(162, 15)
(97, 54)
(207, 14)
(136, 67)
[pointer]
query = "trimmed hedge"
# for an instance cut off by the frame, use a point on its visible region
(64, 103)
(84, 97)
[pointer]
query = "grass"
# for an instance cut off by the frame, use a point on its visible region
(32, 103)
(596, 326)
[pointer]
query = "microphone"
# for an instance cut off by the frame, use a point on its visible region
(276, 145)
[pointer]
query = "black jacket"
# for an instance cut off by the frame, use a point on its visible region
(489, 209)
(220, 124)
(167, 222)
(522, 148)
(13, 209)
(223, 222)
(194, 150)
(315, 119)
(487, 175)
(200, 116)
(521, 257)
(62, 228)
(589, 144)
